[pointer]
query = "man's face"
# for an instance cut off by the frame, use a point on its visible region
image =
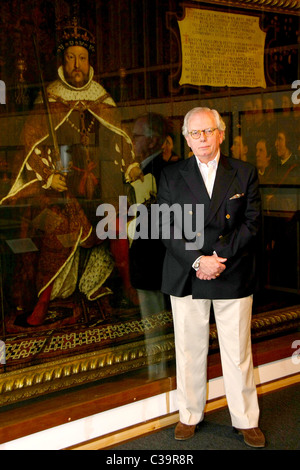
(76, 66)
(205, 148)
(280, 145)
(143, 145)
(167, 147)
(262, 157)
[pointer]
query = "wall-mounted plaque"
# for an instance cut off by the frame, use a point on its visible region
(221, 49)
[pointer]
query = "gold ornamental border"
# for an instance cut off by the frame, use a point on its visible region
(82, 369)
(277, 6)
(71, 372)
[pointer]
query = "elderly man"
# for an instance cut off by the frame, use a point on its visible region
(61, 177)
(218, 271)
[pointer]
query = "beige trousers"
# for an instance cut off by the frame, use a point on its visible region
(191, 329)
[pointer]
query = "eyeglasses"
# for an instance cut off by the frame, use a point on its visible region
(207, 132)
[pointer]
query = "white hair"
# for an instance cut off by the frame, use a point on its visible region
(219, 121)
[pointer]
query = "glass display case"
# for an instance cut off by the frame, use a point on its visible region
(89, 91)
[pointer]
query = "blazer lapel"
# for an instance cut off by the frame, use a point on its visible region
(194, 180)
(224, 177)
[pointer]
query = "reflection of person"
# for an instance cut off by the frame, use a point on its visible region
(146, 256)
(282, 204)
(61, 192)
(286, 106)
(239, 148)
(221, 273)
(252, 126)
(149, 134)
(288, 168)
(266, 172)
(168, 154)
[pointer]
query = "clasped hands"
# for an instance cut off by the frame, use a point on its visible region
(210, 267)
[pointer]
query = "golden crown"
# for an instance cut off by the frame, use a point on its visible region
(74, 35)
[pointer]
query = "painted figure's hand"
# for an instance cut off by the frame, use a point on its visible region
(136, 173)
(59, 182)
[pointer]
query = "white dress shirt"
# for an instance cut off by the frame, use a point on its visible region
(208, 172)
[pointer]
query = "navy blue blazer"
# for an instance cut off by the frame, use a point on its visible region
(231, 224)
